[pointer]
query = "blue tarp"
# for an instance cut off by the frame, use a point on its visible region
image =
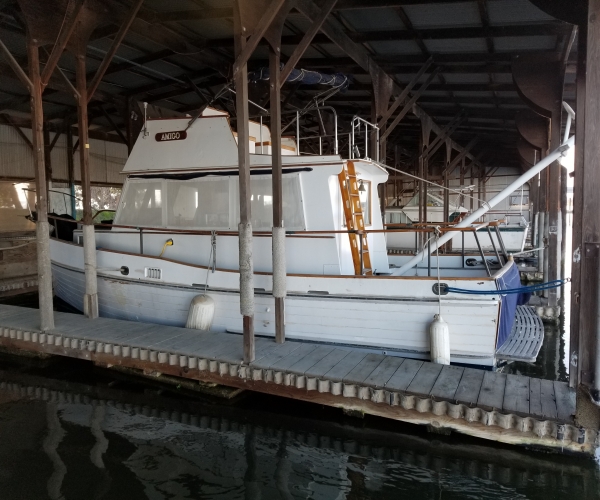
(305, 76)
(510, 279)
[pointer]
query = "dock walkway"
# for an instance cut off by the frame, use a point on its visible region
(502, 407)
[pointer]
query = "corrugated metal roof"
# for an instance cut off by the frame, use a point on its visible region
(437, 15)
(515, 11)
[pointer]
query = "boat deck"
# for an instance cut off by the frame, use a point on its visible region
(504, 407)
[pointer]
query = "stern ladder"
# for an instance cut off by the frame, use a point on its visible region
(355, 221)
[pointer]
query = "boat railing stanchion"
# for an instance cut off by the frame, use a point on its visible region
(297, 133)
(494, 247)
(416, 242)
(462, 233)
(141, 240)
(501, 242)
(429, 257)
(487, 268)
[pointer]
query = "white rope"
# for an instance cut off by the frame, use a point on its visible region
(2, 249)
(437, 253)
(212, 258)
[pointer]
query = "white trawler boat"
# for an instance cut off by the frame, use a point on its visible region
(512, 236)
(185, 179)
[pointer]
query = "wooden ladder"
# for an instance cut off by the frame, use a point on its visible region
(355, 221)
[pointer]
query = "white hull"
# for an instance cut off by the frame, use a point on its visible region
(389, 315)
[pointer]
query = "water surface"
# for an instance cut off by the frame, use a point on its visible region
(69, 430)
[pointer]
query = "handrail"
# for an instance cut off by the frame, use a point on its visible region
(200, 232)
(302, 112)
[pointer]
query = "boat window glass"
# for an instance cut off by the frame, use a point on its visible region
(141, 204)
(202, 204)
(262, 202)
(365, 201)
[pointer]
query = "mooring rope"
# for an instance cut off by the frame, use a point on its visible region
(524, 289)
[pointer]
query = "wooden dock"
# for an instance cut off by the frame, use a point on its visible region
(507, 408)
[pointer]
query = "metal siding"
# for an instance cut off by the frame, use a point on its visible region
(59, 158)
(107, 159)
(16, 157)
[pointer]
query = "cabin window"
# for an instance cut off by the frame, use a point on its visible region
(262, 202)
(141, 204)
(207, 203)
(365, 200)
(198, 203)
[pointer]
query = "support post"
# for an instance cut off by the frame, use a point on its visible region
(48, 161)
(71, 168)
(42, 226)
(587, 215)
(245, 227)
(90, 299)
(278, 238)
(578, 282)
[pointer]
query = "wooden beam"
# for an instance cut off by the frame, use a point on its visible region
(306, 39)
(586, 253)
(278, 236)
(443, 135)
(6, 119)
(246, 264)
(408, 105)
(64, 34)
(461, 157)
(43, 228)
(15, 67)
(261, 28)
(404, 94)
(114, 125)
(113, 49)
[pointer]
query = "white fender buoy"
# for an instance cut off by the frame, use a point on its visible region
(201, 313)
(439, 338)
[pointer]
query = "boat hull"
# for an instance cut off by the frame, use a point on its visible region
(392, 325)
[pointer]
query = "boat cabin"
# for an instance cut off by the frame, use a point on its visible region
(182, 175)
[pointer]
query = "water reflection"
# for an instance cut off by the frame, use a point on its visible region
(550, 363)
(108, 437)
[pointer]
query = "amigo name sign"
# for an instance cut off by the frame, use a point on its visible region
(170, 136)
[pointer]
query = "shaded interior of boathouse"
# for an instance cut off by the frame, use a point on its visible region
(457, 97)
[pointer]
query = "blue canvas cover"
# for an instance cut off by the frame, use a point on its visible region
(508, 308)
(305, 76)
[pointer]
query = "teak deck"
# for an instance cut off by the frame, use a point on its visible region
(508, 408)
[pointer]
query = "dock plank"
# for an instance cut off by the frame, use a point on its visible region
(310, 360)
(344, 366)
(327, 363)
(424, 379)
(363, 369)
(535, 397)
(284, 363)
(404, 375)
(447, 383)
(565, 401)
(516, 394)
(491, 394)
(211, 345)
(467, 392)
(383, 373)
(275, 353)
(548, 399)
